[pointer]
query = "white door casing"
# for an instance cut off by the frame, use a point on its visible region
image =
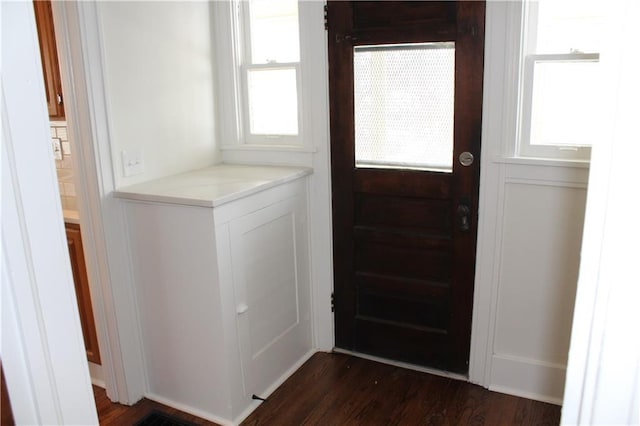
(78, 39)
(42, 346)
(603, 374)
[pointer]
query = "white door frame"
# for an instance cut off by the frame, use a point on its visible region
(78, 37)
(603, 373)
(42, 348)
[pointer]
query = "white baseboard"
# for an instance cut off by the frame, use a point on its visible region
(188, 409)
(527, 378)
(97, 375)
(519, 393)
(255, 404)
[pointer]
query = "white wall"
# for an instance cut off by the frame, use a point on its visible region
(158, 67)
(530, 229)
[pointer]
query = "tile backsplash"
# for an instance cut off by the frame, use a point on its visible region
(64, 166)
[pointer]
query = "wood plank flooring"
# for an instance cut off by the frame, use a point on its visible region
(336, 389)
(6, 415)
(112, 414)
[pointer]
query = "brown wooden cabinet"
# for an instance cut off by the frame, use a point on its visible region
(83, 295)
(49, 55)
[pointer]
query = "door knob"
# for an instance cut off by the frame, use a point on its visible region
(466, 158)
(464, 213)
(242, 308)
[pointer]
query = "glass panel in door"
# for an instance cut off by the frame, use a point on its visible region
(403, 100)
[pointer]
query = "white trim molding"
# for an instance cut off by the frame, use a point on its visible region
(79, 43)
(603, 375)
(498, 128)
(42, 347)
(316, 99)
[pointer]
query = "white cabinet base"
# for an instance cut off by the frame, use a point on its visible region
(224, 298)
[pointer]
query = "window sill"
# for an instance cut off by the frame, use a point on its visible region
(272, 148)
(536, 161)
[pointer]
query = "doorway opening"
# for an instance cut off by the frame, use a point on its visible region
(67, 179)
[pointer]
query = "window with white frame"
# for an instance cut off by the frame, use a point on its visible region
(560, 78)
(262, 89)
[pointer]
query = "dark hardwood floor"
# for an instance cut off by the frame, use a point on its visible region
(6, 415)
(112, 414)
(336, 389)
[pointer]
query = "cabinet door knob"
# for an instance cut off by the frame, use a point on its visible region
(242, 308)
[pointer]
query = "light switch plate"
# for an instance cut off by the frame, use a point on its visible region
(132, 162)
(57, 148)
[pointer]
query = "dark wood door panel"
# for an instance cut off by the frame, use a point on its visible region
(414, 345)
(405, 183)
(407, 312)
(403, 287)
(387, 15)
(408, 239)
(375, 18)
(411, 34)
(417, 214)
(399, 261)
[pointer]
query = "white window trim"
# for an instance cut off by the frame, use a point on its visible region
(525, 148)
(232, 105)
(522, 101)
(265, 139)
(225, 34)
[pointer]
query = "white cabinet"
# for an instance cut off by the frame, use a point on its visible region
(223, 289)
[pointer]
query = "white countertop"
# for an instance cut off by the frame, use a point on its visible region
(211, 186)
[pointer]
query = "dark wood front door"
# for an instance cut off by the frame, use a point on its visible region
(406, 103)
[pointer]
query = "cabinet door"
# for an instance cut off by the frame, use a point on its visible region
(271, 280)
(76, 256)
(49, 55)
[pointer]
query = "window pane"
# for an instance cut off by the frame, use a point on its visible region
(565, 26)
(403, 96)
(273, 101)
(274, 31)
(564, 103)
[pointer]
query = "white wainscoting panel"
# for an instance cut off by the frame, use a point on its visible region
(538, 269)
(530, 224)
